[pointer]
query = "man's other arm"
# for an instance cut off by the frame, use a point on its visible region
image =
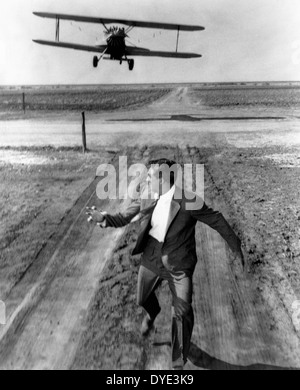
(216, 221)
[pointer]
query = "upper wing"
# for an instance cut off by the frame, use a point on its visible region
(138, 51)
(134, 23)
(95, 49)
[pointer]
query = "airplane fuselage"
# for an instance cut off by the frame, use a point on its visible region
(116, 46)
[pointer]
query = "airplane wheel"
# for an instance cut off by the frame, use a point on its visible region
(131, 64)
(95, 62)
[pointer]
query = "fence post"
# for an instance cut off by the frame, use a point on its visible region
(2, 313)
(24, 104)
(178, 154)
(84, 148)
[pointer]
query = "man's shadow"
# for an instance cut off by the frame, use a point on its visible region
(203, 360)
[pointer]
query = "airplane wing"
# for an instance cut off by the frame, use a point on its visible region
(130, 50)
(94, 49)
(138, 51)
(133, 23)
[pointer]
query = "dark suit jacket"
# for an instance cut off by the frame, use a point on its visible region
(179, 248)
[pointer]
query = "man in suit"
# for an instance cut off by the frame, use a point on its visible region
(167, 242)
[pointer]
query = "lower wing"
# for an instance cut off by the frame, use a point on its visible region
(66, 45)
(138, 51)
(130, 51)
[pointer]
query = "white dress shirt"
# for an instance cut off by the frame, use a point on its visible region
(160, 216)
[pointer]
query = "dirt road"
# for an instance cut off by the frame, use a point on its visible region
(75, 307)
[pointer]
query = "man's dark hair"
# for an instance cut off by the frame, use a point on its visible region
(170, 163)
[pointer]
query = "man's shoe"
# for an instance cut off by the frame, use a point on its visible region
(178, 368)
(179, 364)
(147, 325)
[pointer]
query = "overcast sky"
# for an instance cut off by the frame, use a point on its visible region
(244, 40)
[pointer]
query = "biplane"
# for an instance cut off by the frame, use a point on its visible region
(116, 47)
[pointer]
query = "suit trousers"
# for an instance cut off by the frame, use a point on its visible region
(181, 288)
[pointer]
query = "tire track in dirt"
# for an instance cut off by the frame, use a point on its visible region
(176, 101)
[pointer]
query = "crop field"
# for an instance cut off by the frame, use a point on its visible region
(91, 99)
(259, 97)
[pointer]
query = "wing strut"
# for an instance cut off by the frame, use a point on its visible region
(104, 25)
(57, 29)
(129, 29)
(178, 32)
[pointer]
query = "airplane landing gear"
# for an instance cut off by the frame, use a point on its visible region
(131, 64)
(95, 62)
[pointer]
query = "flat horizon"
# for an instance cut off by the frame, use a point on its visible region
(241, 83)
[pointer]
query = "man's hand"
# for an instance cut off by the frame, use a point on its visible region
(94, 215)
(239, 255)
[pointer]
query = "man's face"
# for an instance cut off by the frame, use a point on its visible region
(157, 182)
(153, 180)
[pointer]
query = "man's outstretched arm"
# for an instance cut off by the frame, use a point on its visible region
(117, 220)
